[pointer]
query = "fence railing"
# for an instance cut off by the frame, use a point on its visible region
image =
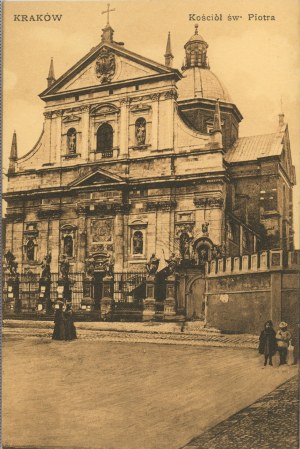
(128, 287)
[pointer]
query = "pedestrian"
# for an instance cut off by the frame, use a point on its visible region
(283, 337)
(70, 330)
(267, 342)
(59, 322)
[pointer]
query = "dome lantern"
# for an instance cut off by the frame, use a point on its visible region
(196, 52)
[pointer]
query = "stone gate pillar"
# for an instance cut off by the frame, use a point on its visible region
(107, 301)
(170, 301)
(149, 301)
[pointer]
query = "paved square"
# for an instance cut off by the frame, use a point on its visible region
(106, 395)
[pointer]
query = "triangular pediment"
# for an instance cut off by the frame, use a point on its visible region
(106, 65)
(98, 177)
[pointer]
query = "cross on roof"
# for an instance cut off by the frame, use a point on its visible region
(107, 12)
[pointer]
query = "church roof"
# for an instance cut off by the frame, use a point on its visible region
(118, 50)
(255, 147)
(201, 83)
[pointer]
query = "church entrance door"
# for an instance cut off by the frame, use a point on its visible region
(98, 288)
(195, 299)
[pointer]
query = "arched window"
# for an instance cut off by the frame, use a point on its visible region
(71, 137)
(105, 140)
(137, 242)
(30, 250)
(140, 131)
(68, 246)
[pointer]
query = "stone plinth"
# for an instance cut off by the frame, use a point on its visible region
(13, 298)
(170, 301)
(107, 301)
(44, 304)
(64, 292)
(149, 301)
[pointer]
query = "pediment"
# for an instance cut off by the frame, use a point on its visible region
(104, 65)
(98, 177)
(71, 118)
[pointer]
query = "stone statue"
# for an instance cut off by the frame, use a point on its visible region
(90, 266)
(205, 227)
(172, 264)
(152, 264)
(64, 268)
(72, 142)
(11, 263)
(140, 132)
(46, 273)
(108, 265)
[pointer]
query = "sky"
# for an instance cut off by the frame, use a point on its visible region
(257, 60)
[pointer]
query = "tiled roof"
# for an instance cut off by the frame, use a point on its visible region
(255, 147)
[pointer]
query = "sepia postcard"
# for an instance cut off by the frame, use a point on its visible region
(150, 224)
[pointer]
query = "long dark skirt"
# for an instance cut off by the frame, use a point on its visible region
(59, 332)
(70, 330)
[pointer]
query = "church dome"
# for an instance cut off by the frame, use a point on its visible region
(200, 82)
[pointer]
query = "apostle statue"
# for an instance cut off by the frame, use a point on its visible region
(152, 264)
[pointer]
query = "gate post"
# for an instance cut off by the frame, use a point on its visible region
(107, 301)
(170, 301)
(149, 301)
(13, 285)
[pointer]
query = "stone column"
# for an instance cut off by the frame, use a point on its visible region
(57, 151)
(85, 124)
(155, 104)
(149, 301)
(170, 301)
(47, 134)
(81, 239)
(124, 127)
(107, 301)
(119, 242)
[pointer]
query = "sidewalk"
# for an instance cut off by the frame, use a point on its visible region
(272, 422)
(192, 333)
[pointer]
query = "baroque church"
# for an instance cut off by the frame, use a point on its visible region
(137, 158)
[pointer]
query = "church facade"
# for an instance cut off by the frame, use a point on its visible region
(138, 158)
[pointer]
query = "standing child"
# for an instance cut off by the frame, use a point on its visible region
(267, 342)
(283, 338)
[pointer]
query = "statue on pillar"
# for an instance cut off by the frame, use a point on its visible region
(11, 263)
(172, 264)
(90, 266)
(152, 264)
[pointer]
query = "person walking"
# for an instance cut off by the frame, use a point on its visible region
(59, 322)
(267, 342)
(283, 337)
(70, 330)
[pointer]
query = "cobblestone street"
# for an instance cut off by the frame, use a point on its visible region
(269, 423)
(124, 393)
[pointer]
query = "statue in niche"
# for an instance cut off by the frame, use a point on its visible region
(205, 227)
(140, 131)
(90, 264)
(203, 255)
(108, 265)
(184, 246)
(71, 134)
(152, 264)
(46, 273)
(137, 242)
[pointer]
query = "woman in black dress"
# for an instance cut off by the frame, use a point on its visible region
(267, 342)
(70, 330)
(59, 322)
